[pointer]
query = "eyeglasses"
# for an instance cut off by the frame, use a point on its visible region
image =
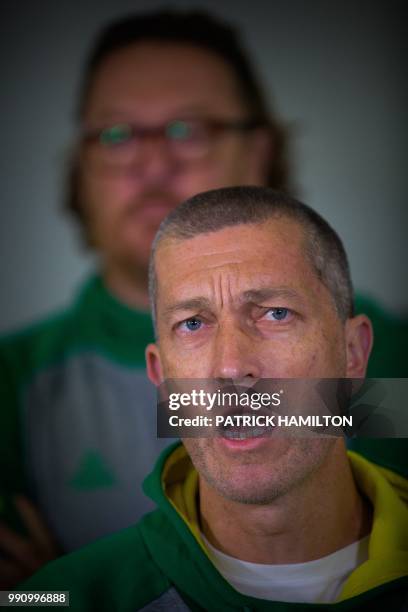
(186, 139)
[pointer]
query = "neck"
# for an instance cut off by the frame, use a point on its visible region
(322, 515)
(127, 284)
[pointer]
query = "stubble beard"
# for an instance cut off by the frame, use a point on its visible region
(246, 483)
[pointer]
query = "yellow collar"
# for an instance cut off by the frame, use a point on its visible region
(388, 543)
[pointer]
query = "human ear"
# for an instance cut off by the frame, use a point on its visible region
(359, 341)
(153, 364)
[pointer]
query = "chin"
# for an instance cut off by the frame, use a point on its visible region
(251, 492)
(135, 258)
(263, 479)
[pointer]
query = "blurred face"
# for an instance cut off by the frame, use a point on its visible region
(150, 85)
(245, 303)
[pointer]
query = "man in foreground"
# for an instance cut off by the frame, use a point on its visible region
(248, 284)
(169, 106)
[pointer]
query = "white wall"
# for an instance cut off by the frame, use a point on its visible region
(336, 71)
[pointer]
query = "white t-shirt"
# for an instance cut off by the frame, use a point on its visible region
(318, 581)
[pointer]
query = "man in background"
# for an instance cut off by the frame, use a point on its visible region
(169, 107)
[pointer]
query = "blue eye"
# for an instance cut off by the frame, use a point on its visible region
(278, 314)
(192, 324)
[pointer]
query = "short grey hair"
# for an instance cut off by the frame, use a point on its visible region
(217, 209)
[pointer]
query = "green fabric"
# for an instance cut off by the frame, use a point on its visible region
(95, 322)
(127, 571)
(92, 473)
(388, 360)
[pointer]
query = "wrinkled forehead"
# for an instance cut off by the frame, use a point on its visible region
(247, 256)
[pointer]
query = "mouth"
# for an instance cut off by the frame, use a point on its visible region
(244, 434)
(241, 429)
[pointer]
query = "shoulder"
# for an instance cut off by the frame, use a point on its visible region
(58, 328)
(115, 573)
(27, 349)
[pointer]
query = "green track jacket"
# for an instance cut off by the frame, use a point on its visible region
(78, 418)
(161, 564)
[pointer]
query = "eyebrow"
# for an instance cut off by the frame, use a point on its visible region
(198, 303)
(261, 295)
(112, 114)
(252, 295)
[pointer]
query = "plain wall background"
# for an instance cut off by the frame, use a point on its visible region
(336, 71)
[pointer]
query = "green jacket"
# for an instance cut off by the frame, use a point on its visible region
(161, 564)
(78, 418)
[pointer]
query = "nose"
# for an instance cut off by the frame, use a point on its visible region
(235, 355)
(154, 162)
